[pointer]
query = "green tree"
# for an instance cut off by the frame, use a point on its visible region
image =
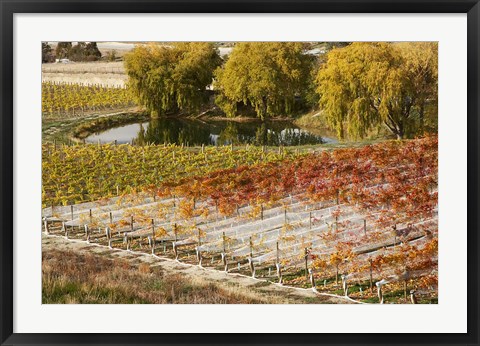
(168, 79)
(112, 55)
(366, 85)
(46, 52)
(83, 51)
(63, 49)
(77, 52)
(92, 53)
(421, 64)
(269, 76)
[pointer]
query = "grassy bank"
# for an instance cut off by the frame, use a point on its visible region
(101, 124)
(315, 121)
(69, 277)
(65, 130)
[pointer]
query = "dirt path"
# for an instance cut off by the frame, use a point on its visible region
(258, 286)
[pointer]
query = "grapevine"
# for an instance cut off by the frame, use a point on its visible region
(63, 99)
(362, 215)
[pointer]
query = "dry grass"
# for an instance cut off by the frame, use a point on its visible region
(70, 277)
(97, 67)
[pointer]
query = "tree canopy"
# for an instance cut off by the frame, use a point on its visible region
(361, 88)
(266, 75)
(82, 51)
(90, 52)
(47, 55)
(365, 85)
(63, 49)
(171, 78)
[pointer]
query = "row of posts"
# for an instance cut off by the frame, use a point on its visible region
(151, 240)
(281, 149)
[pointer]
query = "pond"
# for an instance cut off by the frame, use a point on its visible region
(198, 132)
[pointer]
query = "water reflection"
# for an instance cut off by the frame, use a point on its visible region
(197, 132)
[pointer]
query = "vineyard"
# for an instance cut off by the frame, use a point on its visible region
(70, 100)
(357, 222)
(85, 173)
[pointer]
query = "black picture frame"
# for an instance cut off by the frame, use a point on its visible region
(9, 8)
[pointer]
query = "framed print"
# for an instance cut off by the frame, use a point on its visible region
(263, 172)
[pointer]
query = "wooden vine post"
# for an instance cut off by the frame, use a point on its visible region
(174, 245)
(65, 230)
(250, 259)
(125, 239)
(224, 253)
(279, 266)
(199, 243)
(413, 298)
(153, 229)
(87, 233)
(379, 291)
(153, 245)
(371, 275)
(338, 190)
(251, 246)
(306, 263)
(345, 285)
(108, 234)
(312, 280)
(394, 230)
(45, 226)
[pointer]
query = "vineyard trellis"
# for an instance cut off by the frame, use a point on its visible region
(80, 173)
(70, 100)
(362, 215)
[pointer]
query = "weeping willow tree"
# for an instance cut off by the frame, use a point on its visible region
(268, 76)
(367, 85)
(420, 61)
(173, 78)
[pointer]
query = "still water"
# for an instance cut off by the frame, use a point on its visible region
(197, 132)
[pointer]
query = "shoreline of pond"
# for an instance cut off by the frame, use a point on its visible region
(76, 130)
(197, 132)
